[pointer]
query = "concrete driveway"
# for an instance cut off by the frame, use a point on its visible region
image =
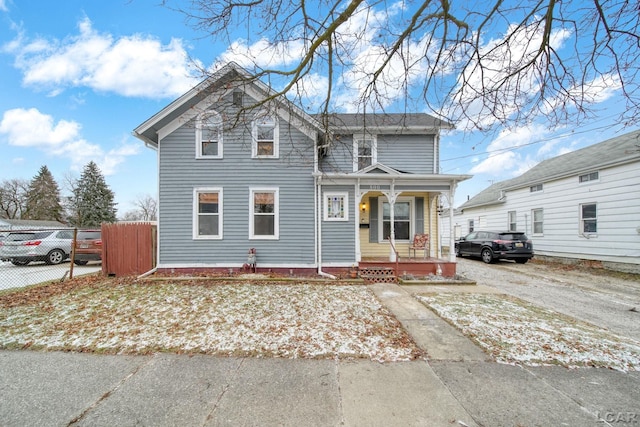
(13, 276)
(610, 301)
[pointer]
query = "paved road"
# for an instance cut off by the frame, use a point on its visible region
(12, 276)
(603, 300)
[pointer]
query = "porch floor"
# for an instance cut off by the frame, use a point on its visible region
(418, 266)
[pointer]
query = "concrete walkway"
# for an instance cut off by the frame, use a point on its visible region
(458, 386)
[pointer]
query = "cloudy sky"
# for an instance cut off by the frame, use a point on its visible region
(76, 77)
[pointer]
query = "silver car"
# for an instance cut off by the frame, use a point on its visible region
(50, 246)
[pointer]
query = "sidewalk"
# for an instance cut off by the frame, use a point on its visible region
(459, 386)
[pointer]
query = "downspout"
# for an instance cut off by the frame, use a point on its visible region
(318, 236)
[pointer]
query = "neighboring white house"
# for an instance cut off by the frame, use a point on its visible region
(581, 205)
(28, 224)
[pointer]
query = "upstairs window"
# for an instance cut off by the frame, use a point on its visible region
(209, 135)
(364, 149)
(535, 188)
(265, 136)
(207, 215)
(592, 176)
(588, 218)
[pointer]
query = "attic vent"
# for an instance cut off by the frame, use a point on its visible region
(237, 99)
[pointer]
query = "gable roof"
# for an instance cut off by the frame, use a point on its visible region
(184, 105)
(612, 152)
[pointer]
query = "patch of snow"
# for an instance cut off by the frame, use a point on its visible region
(294, 321)
(514, 331)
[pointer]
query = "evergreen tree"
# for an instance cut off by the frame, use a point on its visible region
(43, 198)
(92, 202)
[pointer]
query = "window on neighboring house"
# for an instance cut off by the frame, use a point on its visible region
(265, 136)
(512, 221)
(537, 221)
(401, 220)
(588, 218)
(592, 176)
(364, 149)
(471, 225)
(535, 188)
(209, 135)
(336, 207)
(264, 221)
(207, 218)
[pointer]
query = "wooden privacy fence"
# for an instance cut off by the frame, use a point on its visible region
(128, 248)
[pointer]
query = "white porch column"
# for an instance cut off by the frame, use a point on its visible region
(391, 196)
(357, 199)
(452, 237)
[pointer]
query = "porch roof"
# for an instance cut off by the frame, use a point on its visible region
(378, 174)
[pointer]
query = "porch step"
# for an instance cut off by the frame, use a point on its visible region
(378, 275)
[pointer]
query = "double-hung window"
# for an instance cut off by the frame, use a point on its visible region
(537, 221)
(588, 218)
(265, 136)
(209, 135)
(401, 220)
(207, 213)
(513, 226)
(336, 207)
(264, 214)
(364, 152)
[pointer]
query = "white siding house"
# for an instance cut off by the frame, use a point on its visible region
(581, 205)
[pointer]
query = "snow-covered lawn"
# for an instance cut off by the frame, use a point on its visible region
(240, 319)
(514, 331)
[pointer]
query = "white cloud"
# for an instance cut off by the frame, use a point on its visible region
(31, 128)
(136, 66)
(3, 6)
(496, 164)
(503, 158)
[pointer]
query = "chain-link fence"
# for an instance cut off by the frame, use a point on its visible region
(33, 256)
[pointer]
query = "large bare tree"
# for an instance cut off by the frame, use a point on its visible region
(13, 198)
(476, 63)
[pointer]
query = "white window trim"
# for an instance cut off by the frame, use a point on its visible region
(345, 196)
(374, 149)
(581, 220)
(533, 233)
(412, 217)
(199, 154)
(589, 181)
(196, 192)
(515, 221)
(276, 137)
(532, 191)
(276, 212)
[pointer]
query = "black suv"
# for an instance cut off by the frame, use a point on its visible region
(494, 245)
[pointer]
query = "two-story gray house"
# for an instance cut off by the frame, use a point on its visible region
(240, 169)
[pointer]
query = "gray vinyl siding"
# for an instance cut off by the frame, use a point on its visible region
(407, 153)
(340, 157)
(236, 173)
(338, 237)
